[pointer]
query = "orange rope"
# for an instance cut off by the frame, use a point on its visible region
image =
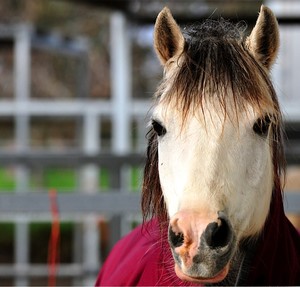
(53, 248)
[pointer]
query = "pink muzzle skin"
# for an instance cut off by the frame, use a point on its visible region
(202, 246)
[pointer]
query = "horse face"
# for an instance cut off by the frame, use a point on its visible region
(214, 159)
(214, 164)
(216, 179)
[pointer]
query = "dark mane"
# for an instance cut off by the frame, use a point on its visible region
(215, 59)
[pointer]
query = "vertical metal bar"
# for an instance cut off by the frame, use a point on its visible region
(90, 250)
(116, 220)
(120, 82)
(22, 61)
(21, 249)
(121, 85)
(77, 249)
(90, 172)
(141, 135)
(90, 134)
(90, 183)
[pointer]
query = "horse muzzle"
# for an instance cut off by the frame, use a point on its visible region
(202, 246)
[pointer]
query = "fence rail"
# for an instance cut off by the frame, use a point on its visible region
(113, 202)
(41, 270)
(75, 158)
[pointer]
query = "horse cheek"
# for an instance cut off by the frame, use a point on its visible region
(168, 183)
(256, 188)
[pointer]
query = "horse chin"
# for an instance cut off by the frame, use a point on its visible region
(220, 276)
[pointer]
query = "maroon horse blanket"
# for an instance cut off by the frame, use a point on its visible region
(143, 258)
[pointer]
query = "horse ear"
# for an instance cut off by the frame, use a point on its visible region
(168, 39)
(263, 41)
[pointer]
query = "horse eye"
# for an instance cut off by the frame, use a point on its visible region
(261, 126)
(158, 128)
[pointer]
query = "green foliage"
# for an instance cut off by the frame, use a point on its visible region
(135, 178)
(104, 179)
(7, 180)
(60, 179)
(65, 179)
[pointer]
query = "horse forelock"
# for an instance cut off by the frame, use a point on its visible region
(215, 63)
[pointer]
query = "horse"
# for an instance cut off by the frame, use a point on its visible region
(213, 178)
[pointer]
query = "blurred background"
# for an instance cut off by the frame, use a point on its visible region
(76, 81)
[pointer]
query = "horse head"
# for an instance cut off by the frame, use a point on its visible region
(215, 149)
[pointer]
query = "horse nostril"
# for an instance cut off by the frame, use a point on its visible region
(175, 239)
(218, 234)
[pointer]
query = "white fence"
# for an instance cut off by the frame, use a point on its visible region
(88, 205)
